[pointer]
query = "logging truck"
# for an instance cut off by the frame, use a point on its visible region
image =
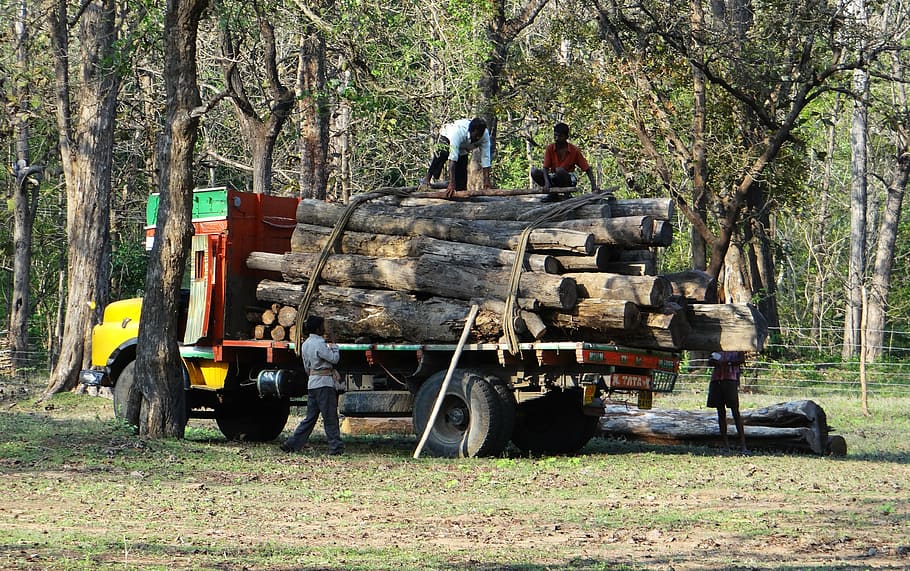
(544, 395)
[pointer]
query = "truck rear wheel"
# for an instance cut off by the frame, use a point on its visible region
(470, 420)
(553, 424)
(253, 419)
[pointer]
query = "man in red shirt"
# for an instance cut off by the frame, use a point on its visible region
(559, 162)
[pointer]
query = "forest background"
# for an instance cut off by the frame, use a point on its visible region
(778, 127)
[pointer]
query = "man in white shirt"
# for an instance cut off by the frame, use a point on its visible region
(455, 143)
(319, 359)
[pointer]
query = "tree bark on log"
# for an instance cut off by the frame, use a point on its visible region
(427, 274)
(359, 314)
(650, 291)
(657, 208)
(507, 209)
(796, 425)
(311, 238)
(596, 262)
(664, 329)
(694, 286)
(725, 327)
(494, 233)
(626, 232)
(597, 315)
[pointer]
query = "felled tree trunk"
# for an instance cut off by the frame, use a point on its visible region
(428, 274)
(657, 208)
(650, 291)
(499, 210)
(358, 314)
(694, 286)
(597, 314)
(310, 238)
(726, 326)
(495, 233)
(797, 425)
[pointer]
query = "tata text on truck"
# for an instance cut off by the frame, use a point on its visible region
(547, 398)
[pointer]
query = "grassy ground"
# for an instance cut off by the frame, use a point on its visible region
(81, 492)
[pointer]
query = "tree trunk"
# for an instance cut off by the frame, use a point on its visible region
(314, 119)
(260, 133)
(494, 233)
(884, 260)
(725, 327)
(378, 315)
(25, 202)
(858, 198)
(312, 239)
(693, 286)
(429, 274)
(87, 151)
(490, 210)
(791, 426)
(159, 367)
(650, 291)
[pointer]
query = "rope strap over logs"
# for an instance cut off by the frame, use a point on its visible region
(555, 212)
(334, 237)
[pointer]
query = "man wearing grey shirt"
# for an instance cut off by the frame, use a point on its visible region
(319, 359)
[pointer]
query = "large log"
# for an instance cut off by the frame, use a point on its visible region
(627, 232)
(666, 329)
(505, 209)
(657, 208)
(597, 315)
(796, 425)
(495, 233)
(312, 238)
(694, 286)
(377, 315)
(725, 327)
(593, 263)
(650, 291)
(428, 274)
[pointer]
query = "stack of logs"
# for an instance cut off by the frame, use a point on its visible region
(408, 270)
(276, 322)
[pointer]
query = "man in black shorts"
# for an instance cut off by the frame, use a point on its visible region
(723, 391)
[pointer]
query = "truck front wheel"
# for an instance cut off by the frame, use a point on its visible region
(553, 424)
(469, 422)
(128, 401)
(253, 419)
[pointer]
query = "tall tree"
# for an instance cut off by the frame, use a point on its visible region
(25, 196)
(312, 100)
(261, 76)
(85, 119)
(760, 84)
(159, 368)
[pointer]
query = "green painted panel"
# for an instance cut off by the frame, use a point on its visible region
(207, 203)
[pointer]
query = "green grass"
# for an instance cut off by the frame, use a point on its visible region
(81, 491)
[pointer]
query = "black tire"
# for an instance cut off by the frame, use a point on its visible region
(469, 422)
(553, 424)
(376, 403)
(127, 397)
(508, 410)
(253, 419)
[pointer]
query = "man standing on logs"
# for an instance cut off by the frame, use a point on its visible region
(319, 359)
(455, 143)
(723, 392)
(559, 162)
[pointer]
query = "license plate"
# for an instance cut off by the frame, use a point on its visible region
(630, 381)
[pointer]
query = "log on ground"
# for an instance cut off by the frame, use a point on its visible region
(798, 426)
